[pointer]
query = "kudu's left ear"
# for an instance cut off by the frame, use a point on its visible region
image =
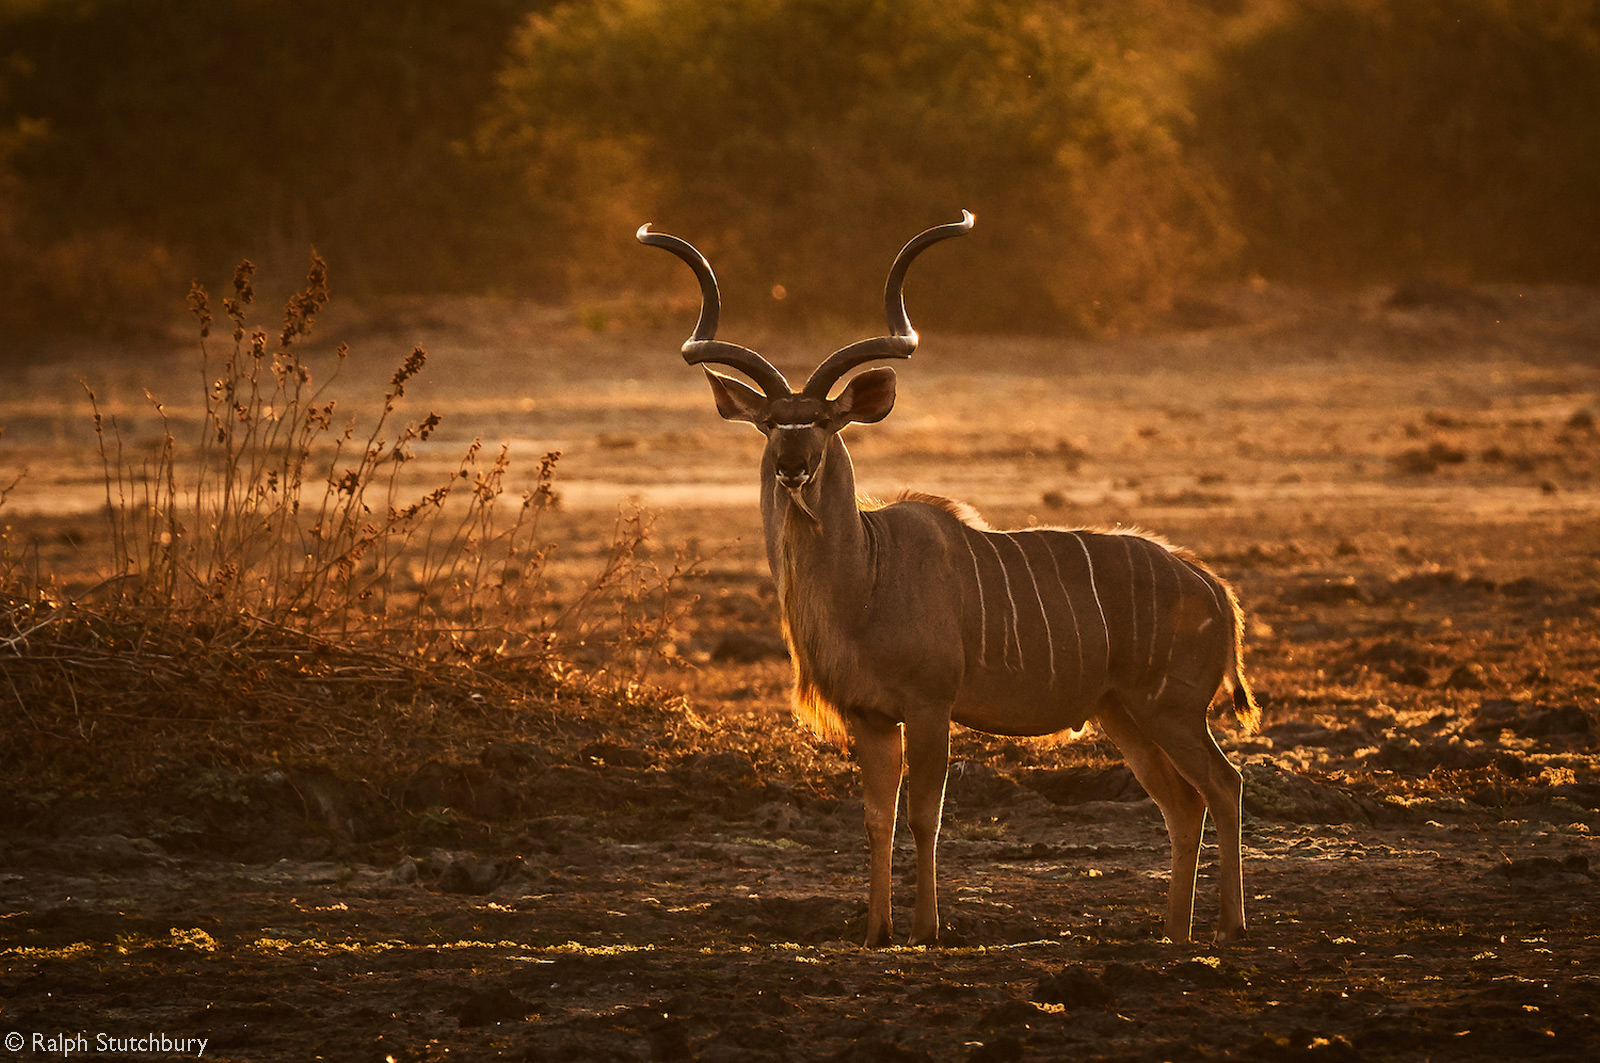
(736, 401)
(868, 397)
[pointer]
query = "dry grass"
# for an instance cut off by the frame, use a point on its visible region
(279, 588)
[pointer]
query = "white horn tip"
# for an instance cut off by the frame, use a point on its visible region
(644, 230)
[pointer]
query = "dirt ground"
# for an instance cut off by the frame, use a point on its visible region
(1405, 489)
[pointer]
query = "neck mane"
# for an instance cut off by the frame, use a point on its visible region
(824, 574)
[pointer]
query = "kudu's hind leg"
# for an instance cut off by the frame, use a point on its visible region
(1181, 730)
(877, 753)
(1180, 803)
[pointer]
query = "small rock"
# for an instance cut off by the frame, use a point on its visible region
(403, 873)
(1560, 720)
(1125, 977)
(1012, 1013)
(1469, 676)
(1074, 986)
(490, 1006)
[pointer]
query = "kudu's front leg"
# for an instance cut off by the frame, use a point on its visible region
(877, 751)
(927, 765)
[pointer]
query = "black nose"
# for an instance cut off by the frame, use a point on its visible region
(791, 469)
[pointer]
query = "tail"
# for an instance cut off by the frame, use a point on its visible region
(1245, 708)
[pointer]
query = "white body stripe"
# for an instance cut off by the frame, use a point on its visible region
(1049, 639)
(1155, 599)
(983, 610)
(1096, 592)
(1133, 591)
(1066, 596)
(1016, 631)
(1172, 636)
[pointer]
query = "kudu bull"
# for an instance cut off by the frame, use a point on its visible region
(903, 618)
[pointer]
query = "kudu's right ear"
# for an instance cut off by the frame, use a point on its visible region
(736, 401)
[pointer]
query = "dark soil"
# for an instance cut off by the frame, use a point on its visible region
(682, 876)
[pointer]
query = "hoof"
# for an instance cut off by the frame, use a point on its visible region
(1230, 937)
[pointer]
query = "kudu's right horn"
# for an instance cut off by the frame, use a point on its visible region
(902, 338)
(702, 345)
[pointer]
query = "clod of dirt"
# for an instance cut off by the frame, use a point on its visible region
(1532, 721)
(1560, 720)
(1079, 784)
(490, 1006)
(1413, 585)
(1526, 587)
(463, 873)
(405, 872)
(730, 766)
(975, 785)
(603, 754)
(1511, 765)
(1329, 591)
(1075, 986)
(1274, 793)
(880, 1052)
(807, 920)
(1210, 973)
(1291, 733)
(668, 1040)
(465, 787)
(1001, 1049)
(1469, 676)
(1012, 1013)
(1400, 662)
(1545, 866)
(346, 809)
(1125, 978)
(96, 854)
(1302, 1044)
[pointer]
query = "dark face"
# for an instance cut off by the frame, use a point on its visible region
(798, 427)
(797, 431)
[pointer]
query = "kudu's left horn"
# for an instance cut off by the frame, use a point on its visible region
(902, 338)
(702, 345)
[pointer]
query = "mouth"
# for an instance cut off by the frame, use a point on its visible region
(795, 482)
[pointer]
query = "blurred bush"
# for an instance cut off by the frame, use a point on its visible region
(214, 130)
(1115, 153)
(800, 142)
(1366, 140)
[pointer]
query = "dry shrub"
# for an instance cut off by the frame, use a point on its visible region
(280, 586)
(284, 515)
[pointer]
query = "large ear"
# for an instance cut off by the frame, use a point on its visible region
(868, 397)
(736, 401)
